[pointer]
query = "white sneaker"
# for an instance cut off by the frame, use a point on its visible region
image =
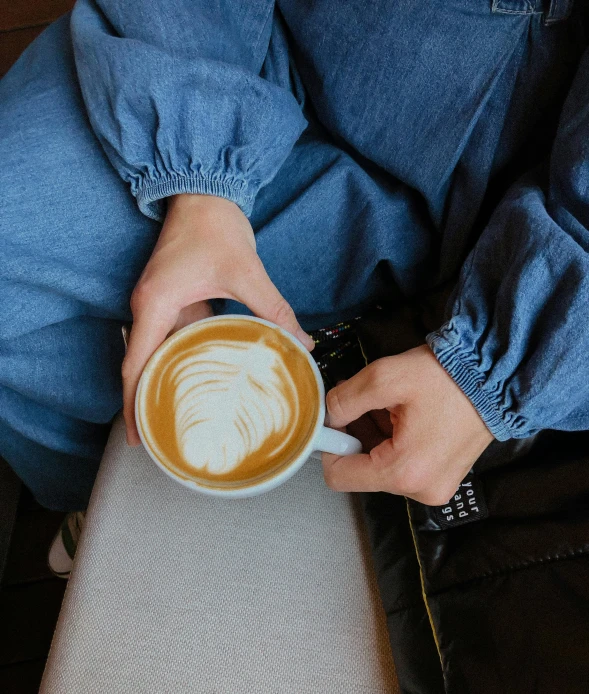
(64, 545)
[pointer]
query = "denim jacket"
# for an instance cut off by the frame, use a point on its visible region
(476, 113)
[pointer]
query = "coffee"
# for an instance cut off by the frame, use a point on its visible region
(228, 403)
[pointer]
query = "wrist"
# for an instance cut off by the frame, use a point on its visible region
(205, 216)
(192, 201)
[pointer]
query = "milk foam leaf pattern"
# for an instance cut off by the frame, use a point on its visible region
(230, 398)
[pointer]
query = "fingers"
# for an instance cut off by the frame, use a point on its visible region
(368, 430)
(257, 291)
(206, 250)
(351, 473)
(151, 326)
(437, 435)
(382, 420)
(376, 387)
(365, 472)
(385, 469)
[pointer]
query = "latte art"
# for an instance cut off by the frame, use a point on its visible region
(230, 397)
(227, 403)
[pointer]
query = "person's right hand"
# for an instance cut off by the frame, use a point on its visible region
(421, 437)
(206, 250)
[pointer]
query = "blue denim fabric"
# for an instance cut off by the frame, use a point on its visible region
(369, 144)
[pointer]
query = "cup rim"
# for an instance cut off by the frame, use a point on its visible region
(264, 485)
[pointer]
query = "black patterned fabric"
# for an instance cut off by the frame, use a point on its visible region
(338, 352)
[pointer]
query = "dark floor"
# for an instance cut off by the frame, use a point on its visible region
(21, 21)
(30, 597)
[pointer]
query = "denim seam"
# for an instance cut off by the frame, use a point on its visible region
(268, 18)
(529, 11)
(470, 382)
(522, 13)
(558, 11)
(205, 185)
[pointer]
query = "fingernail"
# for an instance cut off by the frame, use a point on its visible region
(327, 419)
(306, 339)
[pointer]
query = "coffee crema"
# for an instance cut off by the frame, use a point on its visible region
(228, 403)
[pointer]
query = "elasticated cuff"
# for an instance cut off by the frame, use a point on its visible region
(452, 357)
(151, 195)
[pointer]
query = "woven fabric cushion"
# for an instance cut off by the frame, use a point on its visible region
(177, 592)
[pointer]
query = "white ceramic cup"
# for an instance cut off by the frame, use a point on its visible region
(322, 438)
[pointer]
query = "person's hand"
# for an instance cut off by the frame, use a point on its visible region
(421, 433)
(206, 250)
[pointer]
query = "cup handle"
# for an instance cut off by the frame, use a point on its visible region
(333, 441)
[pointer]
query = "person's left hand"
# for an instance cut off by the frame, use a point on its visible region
(421, 432)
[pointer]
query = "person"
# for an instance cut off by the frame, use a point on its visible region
(302, 161)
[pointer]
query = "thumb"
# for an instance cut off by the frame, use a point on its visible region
(376, 387)
(257, 291)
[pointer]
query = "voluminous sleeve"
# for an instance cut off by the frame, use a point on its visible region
(517, 336)
(174, 94)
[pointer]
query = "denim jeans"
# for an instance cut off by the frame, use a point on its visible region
(371, 146)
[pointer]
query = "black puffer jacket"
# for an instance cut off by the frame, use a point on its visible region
(489, 596)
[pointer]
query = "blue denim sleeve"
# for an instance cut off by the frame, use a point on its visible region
(517, 339)
(174, 94)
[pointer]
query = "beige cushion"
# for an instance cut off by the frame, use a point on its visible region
(177, 592)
